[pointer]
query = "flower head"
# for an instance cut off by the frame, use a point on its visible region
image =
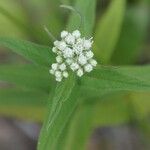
(73, 53)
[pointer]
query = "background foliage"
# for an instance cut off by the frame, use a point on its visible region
(115, 93)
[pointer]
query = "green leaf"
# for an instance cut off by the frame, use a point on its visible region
(108, 30)
(141, 72)
(117, 79)
(20, 97)
(27, 76)
(41, 55)
(87, 11)
(62, 106)
(132, 36)
(80, 129)
(22, 104)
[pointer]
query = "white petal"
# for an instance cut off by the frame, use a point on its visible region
(80, 72)
(70, 39)
(69, 61)
(68, 52)
(54, 66)
(58, 74)
(65, 74)
(59, 59)
(62, 67)
(74, 66)
(62, 45)
(82, 60)
(89, 54)
(93, 62)
(88, 68)
(51, 71)
(76, 34)
(58, 79)
(87, 44)
(64, 34)
(56, 43)
(54, 49)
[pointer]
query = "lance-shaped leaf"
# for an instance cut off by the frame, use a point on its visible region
(38, 54)
(108, 30)
(132, 36)
(27, 76)
(87, 17)
(117, 79)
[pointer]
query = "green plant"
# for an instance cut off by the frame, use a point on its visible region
(76, 106)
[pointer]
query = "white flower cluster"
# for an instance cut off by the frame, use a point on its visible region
(72, 52)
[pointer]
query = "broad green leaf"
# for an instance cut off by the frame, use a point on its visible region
(22, 104)
(116, 79)
(27, 76)
(65, 98)
(108, 30)
(38, 54)
(132, 36)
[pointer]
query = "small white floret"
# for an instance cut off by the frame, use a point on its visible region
(65, 74)
(58, 74)
(56, 43)
(69, 61)
(58, 79)
(54, 66)
(59, 59)
(93, 62)
(80, 41)
(87, 44)
(88, 68)
(70, 39)
(74, 66)
(82, 60)
(64, 34)
(76, 34)
(78, 48)
(62, 45)
(68, 52)
(89, 54)
(59, 53)
(80, 72)
(62, 67)
(54, 50)
(51, 71)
